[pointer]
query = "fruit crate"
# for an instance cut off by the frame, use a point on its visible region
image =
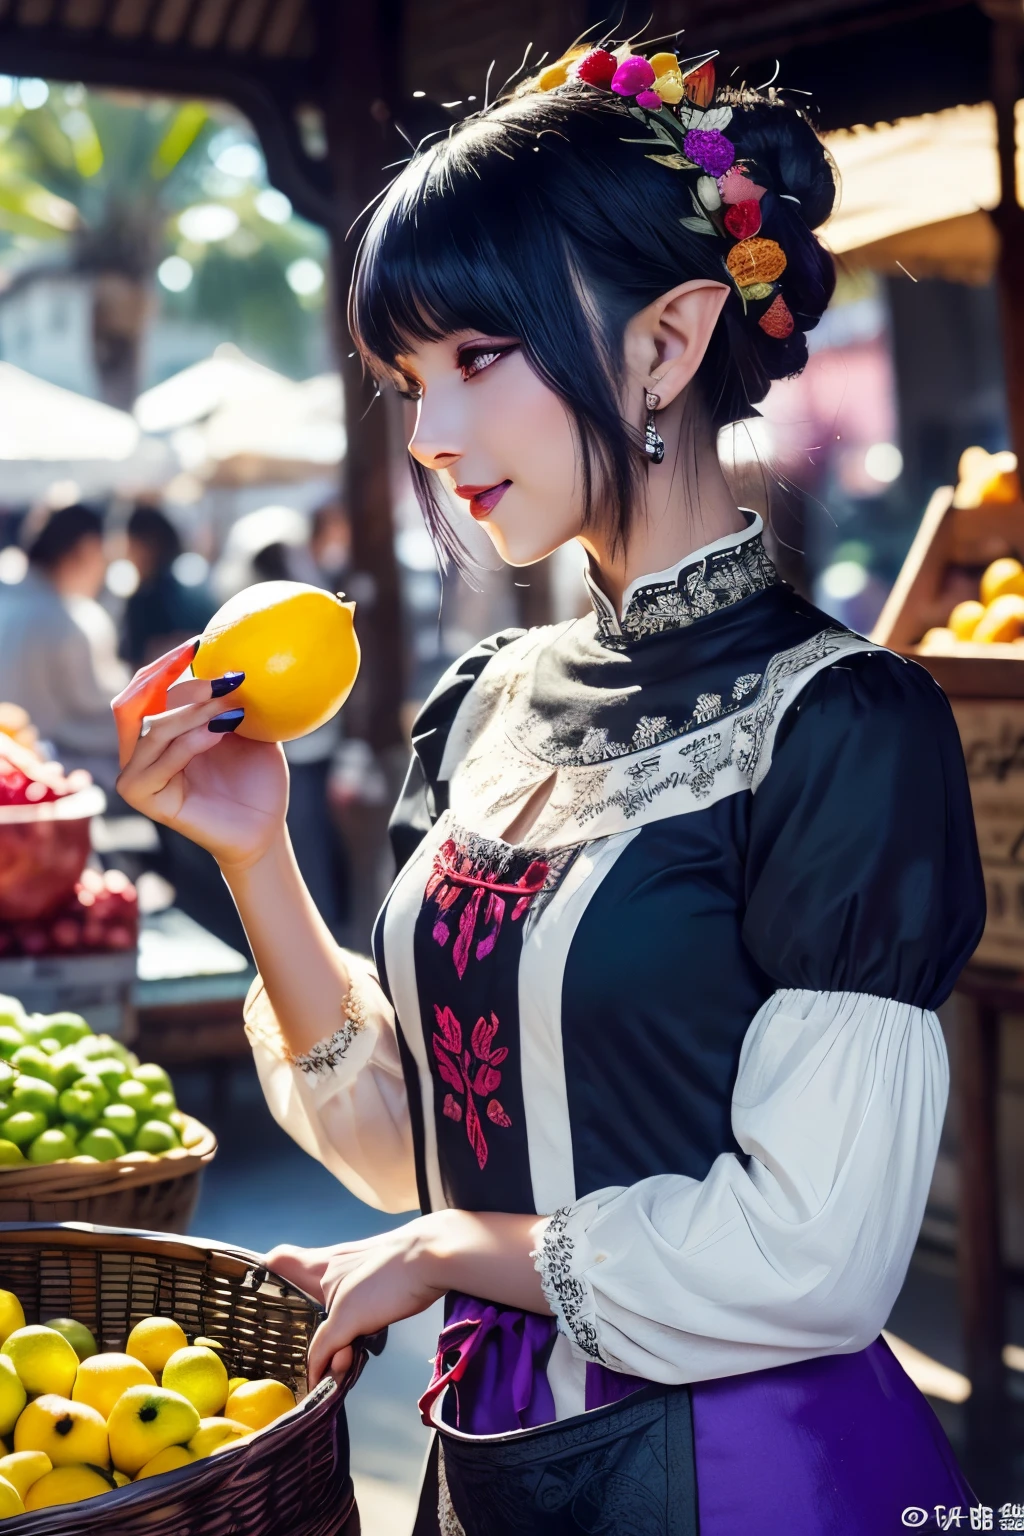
(293, 1478)
(160, 1194)
(985, 687)
(945, 563)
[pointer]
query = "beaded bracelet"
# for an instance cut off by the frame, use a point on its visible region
(326, 1054)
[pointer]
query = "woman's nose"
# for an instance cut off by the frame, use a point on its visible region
(431, 444)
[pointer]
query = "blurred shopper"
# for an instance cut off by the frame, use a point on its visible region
(330, 542)
(162, 611)
(58, 646)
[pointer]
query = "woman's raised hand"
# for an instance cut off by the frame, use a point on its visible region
(181, 764)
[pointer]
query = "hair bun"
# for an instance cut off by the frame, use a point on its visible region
(782, 140)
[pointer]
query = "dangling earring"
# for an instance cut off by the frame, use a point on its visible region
(654, 443)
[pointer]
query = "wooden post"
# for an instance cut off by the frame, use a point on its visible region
(1007, 40)
(982, 1290)
(357, 118)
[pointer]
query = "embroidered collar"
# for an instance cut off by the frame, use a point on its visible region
(707, 580)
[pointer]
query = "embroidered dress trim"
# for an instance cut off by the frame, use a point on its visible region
(716, 580)
(604, 786)
(568, 1297)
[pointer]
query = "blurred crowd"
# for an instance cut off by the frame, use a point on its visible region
(70, 637)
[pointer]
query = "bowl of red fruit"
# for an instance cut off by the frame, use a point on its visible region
(44, 832)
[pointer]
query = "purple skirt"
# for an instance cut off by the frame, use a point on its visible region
(837, 1446)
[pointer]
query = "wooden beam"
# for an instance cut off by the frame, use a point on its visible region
(360, 74)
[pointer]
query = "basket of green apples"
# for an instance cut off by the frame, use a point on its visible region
(90, 1133)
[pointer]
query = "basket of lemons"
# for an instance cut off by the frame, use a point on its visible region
(90, 1133)
(155, 1386)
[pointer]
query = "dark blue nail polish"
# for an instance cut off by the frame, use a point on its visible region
(228, 721)
(226, 684)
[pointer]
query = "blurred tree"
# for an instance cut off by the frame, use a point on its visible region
(133, 187)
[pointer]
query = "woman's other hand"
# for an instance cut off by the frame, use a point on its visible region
(182, 766)
(367, 1285)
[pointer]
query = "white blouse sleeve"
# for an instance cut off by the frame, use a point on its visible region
(796, 1248)
(344, 1101)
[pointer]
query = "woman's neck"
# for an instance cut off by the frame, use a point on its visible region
(688, 505)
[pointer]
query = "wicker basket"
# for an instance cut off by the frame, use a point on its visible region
(157, 1196)
(292, 1480)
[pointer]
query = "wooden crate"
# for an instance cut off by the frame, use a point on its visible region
(985, 686)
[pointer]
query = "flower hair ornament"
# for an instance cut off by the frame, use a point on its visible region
(675, 101)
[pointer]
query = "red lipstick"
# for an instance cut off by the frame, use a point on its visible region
(482, 498)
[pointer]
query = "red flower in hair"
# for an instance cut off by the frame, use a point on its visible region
(597, 68)
(743, 219)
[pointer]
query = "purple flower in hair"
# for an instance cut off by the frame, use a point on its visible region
(710, 149)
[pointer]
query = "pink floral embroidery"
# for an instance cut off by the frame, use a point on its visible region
(453, 874)
(471, 1074)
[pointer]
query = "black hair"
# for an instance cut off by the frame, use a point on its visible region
(503, 225)
(153, 529)
(61, 534)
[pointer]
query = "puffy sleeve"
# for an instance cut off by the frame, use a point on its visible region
(424, 795)
(343, 1102)
(864, 900)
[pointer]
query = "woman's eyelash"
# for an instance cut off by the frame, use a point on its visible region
(473, 360)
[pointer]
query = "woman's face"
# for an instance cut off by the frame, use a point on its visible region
(501, 439)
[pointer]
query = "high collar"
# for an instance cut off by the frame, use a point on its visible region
(702, 583)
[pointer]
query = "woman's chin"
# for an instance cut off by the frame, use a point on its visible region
(518, 548)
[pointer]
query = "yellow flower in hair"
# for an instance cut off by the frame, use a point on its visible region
(665, 64)
(553, 76)
(756, 261)
(557, 74)
(669, 86)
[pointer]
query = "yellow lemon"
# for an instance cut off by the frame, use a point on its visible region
(259, 1403)
(964, 619)
(67, 1485)
(236, 1381)
(43, 1359)
(154, 1340)
(23, 1468)
(121, 1479)
(233, 1440)
(296, 645)
(145, 1421)
(69, 1433)
(13, 1396)
(1002, 620)
(11, 1502)
(102, 1379)
(12, 1314)
(199, 1375)
(1006, 575)
(203, 1343)
(167, 1460)
(211, 1433)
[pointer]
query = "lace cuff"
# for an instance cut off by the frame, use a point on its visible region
(262, 1028)
(560, 1261)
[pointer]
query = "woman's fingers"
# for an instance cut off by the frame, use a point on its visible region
(304, 1267)
(330, 1352)
(149, 780)
(146, 694)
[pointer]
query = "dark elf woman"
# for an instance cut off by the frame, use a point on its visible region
(648, 1036)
